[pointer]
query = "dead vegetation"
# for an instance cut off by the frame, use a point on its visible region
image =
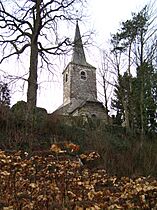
(54, 181)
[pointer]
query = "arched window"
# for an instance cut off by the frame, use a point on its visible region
(83, 75)
(66, 77)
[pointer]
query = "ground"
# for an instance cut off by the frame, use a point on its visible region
(57, 180)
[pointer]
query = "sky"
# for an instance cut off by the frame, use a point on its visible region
(107, 14)
(103, 17)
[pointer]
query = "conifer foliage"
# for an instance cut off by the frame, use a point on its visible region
(4, 94)
(135, 95)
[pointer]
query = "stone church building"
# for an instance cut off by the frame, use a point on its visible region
(79, 85)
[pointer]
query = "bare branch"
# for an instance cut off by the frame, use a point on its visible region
(4, 14)
(56, 50)
(17, 52)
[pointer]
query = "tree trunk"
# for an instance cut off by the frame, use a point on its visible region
(130, 99)
(142, 86)
(106, 101)
(125, 106)
(32, 80)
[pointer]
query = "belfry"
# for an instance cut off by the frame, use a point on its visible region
(79, 85)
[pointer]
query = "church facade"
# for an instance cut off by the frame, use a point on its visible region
(79, 85)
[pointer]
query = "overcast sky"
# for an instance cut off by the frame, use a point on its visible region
(104, 16)
(107, 14)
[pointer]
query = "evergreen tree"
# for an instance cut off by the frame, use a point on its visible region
(135, 97)
(121, 94)
(4, 94)
(146, 80)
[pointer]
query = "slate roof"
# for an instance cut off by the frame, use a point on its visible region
(78, 56)
(74, 105)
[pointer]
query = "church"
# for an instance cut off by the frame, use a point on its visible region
(79, 85)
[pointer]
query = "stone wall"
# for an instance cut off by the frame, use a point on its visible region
(91, 109)
(75, 87)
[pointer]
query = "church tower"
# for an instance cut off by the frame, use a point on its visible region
(79, 85)
(79, 77)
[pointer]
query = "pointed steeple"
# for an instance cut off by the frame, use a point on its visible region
(78, 56)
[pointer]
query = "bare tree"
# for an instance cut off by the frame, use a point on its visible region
(32, 26)
(106, 80)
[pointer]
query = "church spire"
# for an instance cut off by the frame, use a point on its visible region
(78, 56)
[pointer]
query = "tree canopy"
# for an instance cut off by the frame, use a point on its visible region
(136, 89)
(32, 26)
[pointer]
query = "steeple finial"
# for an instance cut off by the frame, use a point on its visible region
(78, 56)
